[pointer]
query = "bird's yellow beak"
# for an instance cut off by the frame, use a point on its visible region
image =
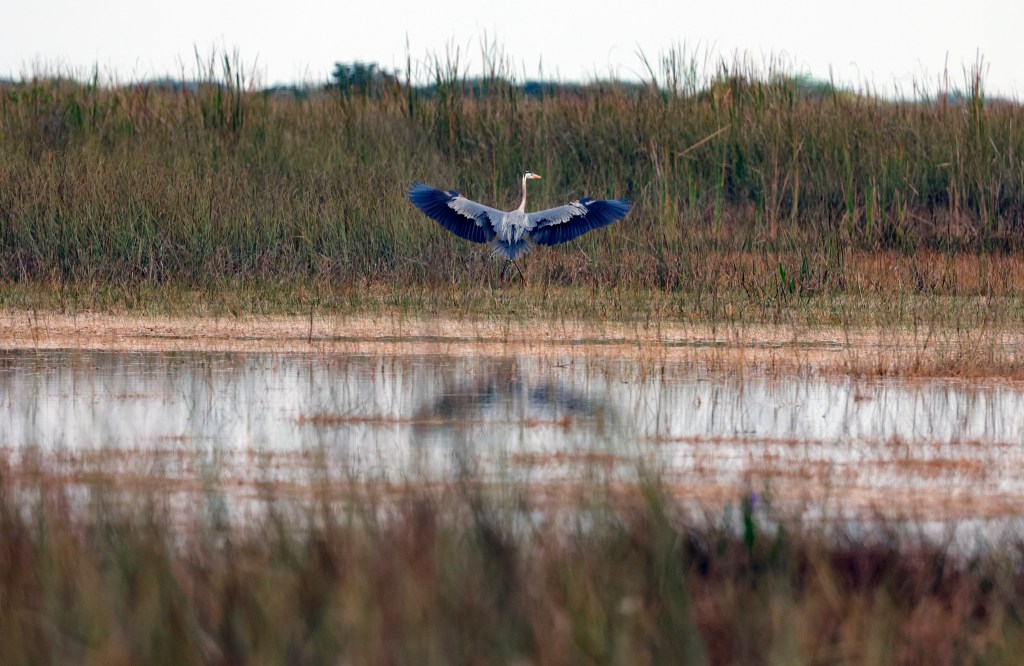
(535, 176)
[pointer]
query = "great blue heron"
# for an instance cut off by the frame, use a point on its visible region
(512, 234)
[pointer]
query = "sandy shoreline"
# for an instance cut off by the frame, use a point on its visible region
(783, 348)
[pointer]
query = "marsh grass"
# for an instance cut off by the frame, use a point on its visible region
(212, 186)
(461, 574)
(810, 206)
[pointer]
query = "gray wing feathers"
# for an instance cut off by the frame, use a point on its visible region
(464, 218)
(558, 225)
(556, 215)
(468, 208)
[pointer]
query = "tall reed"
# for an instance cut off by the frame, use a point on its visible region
(214, 182)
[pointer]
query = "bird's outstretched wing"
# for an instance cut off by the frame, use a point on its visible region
(464, 218)
(558, 225)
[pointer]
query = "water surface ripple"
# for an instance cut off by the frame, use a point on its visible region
(949, 445)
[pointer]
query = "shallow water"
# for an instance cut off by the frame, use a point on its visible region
(938, 447)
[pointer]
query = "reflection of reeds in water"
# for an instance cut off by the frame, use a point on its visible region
(456, 574)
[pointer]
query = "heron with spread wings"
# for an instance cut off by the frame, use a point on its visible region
(513, 233)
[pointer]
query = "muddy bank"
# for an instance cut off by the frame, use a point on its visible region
(970, 353)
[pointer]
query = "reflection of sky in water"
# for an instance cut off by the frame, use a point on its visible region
(415, 415)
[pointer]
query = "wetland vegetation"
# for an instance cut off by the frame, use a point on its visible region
(464, 576)
(780, 226)
(808, 201)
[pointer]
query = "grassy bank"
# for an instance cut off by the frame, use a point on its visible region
(455, 576)
(925, 289)
(219, 188)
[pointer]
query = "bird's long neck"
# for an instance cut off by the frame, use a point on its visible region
(522, 205)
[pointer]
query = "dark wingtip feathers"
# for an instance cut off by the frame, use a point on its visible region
(434, 204)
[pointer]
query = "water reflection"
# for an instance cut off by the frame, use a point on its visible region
(540, 417)
(499, 394)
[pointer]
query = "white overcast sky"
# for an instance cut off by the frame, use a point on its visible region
(882, 42)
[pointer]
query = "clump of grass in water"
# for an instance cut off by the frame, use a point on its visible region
(460, 576)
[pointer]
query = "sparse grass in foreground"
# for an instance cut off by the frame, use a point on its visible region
(216, 187)
(458, 577)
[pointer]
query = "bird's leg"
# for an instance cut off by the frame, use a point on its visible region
(516, 264)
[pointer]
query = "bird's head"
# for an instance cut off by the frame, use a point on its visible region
(529, 175)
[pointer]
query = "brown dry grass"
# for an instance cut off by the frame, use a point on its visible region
(450, 575)
(994, 351)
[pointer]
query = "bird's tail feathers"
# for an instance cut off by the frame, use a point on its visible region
(511, 251)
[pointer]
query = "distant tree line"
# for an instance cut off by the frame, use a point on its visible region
(362, 79)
